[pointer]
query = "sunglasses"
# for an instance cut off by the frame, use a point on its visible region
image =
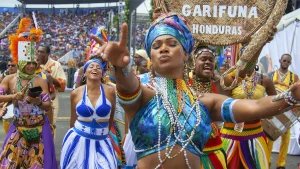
(11, 65)
(286, 61)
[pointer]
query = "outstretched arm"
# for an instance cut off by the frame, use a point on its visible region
(128, 87)
(248, 110)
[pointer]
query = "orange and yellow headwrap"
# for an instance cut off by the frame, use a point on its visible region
(22, 46)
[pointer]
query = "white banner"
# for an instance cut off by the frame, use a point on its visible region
(285, 41)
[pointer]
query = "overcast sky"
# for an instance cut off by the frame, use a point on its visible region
(143, 8)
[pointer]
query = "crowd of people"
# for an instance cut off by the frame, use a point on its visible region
(66, 31)
(170, 106)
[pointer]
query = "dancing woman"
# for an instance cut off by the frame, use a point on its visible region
(86, 145)
(171, 124)
(245, 143)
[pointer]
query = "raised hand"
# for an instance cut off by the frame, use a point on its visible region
(115, 52)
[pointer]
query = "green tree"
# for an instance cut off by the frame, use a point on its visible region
(151, 10)
(126, 11)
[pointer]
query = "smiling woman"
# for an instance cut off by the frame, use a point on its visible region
(92, 112)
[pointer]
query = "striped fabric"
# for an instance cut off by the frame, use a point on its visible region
(247, 149)
(214, 156)
(81, 152)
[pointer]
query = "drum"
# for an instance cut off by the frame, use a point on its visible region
(10, 113)
(297, 133)
(278, 125)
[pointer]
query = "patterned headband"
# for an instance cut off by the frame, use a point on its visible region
(205, 50)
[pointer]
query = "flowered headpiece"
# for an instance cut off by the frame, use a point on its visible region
(93, 46)
(170, 24)
(22, 46)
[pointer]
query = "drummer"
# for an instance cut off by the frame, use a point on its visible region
(283, 79)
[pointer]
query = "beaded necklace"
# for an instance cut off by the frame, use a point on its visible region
(25, 87)
(172, 93)
(204, 86)
(281, 75)
(249, 84)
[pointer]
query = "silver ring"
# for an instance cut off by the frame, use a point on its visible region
(101, 54)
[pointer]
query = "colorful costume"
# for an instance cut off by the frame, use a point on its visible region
(246, 149)
(288, 79)
(115, 133)
(214, 156)
(87, 144)
(29, 142)
(174, 114)
(164, 134)
(154, 114)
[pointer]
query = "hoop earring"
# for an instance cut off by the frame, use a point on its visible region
(256, 68)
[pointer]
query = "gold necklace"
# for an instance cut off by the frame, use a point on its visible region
(202, 87)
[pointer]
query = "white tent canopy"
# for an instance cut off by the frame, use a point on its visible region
(287, 19)
(286, 40)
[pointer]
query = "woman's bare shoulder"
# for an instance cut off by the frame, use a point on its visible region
(108, 89)
(78, 91)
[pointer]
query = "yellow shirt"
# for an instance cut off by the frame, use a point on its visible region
(288, 81)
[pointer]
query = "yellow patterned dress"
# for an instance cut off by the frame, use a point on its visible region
(247, 149)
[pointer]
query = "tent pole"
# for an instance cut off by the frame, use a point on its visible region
(293, 37)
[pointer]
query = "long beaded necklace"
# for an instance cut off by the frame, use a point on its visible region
(281, 75)
(164, 89)
(22, 88)
(249, 84)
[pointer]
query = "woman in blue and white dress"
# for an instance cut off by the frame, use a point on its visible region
(87, 145)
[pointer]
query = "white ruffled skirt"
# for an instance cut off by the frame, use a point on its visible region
(87, 146)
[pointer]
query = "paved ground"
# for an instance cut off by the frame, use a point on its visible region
(63, 126)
